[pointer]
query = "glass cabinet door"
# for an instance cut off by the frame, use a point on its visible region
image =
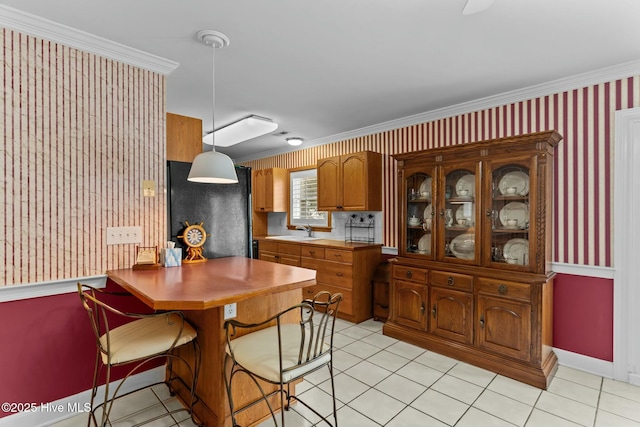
(457, 212)
(509, 214)
(419, 214)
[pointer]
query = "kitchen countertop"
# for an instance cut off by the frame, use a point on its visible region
(210, 284)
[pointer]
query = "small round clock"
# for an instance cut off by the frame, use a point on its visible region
(194, 236)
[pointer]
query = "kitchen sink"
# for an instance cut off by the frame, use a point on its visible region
(293, 238)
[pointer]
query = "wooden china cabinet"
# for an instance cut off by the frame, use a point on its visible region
(471, 279)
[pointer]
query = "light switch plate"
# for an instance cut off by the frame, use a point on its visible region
(124, 235)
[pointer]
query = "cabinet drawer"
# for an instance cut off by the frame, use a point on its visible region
(311, 263)
(503, 288)
(312, 252)
(289, 260)
(335, 273)
(410, 273)
(452, 280)
(268, 245)
(289, 248)
(346, 305)
(337, 255)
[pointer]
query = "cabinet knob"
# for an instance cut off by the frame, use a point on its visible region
(481, 323)
(502, 289)
(489, 213)
(434, 311)
(422, 309)
(339, 274)
(451, 281)
(442, 213)
(409, 274)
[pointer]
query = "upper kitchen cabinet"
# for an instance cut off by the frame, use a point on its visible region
(269, 192)
(184, 138)
(351, 182)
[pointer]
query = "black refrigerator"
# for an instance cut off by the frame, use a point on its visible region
(224, 210)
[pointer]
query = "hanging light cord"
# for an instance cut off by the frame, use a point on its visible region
(213, 97)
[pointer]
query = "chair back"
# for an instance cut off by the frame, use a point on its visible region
(318, 318)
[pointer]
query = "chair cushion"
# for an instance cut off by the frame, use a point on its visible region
(258, 352)
(146, 337)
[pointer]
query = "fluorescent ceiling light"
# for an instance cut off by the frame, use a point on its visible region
(242, 130)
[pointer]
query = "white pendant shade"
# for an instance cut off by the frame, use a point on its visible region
(212, 167)
(242, 130)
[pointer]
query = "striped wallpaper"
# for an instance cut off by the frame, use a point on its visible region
(583, 163)
(79, 134)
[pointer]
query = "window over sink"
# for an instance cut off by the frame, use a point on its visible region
(303, 200)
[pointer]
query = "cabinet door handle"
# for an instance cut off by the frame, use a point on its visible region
(339, 274)
(434, 311)
(451, 281)
(489, 213)
(481, 323)
(409, 274)
(442, 213)
(502, 289)
(422, 309)
(312, 252)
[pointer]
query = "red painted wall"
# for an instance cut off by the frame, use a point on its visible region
(48, 348)
(583, 315)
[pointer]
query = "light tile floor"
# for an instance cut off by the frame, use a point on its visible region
(384, 382)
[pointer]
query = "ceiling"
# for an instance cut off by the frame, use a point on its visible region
(327, 68)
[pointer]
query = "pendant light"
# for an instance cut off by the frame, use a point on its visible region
(212, 167)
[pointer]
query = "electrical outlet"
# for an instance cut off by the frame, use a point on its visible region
(124, 235)
(230, 311)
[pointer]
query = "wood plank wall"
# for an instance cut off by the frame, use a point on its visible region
(79, 134)
(583, 210)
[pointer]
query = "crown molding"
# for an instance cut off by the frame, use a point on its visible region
(27, 23)
(577, 81)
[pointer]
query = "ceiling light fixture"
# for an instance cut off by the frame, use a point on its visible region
(212, 167)
(241, 130)
(294, 140)
(476, 6)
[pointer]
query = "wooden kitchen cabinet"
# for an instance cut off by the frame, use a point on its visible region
(475, 217)
(351, 182)
(269, 190)
(409, 304)
(279, 252)
(340, 267)
(184, 138)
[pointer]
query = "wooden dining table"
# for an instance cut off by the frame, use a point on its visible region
(259, 289)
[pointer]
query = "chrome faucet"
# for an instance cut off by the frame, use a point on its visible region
(306, 228)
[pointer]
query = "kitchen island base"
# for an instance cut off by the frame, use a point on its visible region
(210, 388)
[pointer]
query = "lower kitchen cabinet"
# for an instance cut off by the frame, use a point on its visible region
(342, 267)
(452, 314)
(504, 327)
(497, 323)
(281, 253)
(408, 304)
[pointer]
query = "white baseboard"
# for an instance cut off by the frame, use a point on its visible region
(584, 363)
(70, 406)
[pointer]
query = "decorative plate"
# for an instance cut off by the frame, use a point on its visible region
(424, 244)
(425, 186)
(463, 246)
(428, 212)
(516, 249)
(468, 183)
(517, 179)
(514, 210)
